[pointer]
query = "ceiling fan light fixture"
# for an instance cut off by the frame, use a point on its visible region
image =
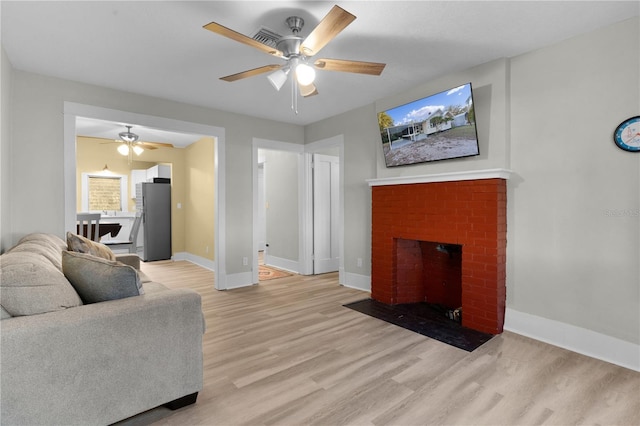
(305, 74)
(307, 90)
(123, 149)
(138, 149)
(128, 136)
(297, 50)
(278, 78)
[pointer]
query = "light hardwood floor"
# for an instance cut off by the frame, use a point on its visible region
(286, 352)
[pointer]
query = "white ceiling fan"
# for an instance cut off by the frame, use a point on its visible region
(298, 52)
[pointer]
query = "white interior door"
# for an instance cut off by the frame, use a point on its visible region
(326, 200)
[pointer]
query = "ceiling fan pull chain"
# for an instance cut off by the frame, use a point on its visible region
(294, 96)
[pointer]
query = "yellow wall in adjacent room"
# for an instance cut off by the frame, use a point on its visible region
(192, 186)
(199, 199)
(93, 154)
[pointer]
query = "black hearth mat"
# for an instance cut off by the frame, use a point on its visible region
(425, 319)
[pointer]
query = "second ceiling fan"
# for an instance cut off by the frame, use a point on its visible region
(297, 52)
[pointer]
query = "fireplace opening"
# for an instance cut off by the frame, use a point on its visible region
(427, 296)
(430, 273)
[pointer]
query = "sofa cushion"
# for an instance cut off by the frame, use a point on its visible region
(48, 245)
(97, 279)
(30, 284)
(80, 244)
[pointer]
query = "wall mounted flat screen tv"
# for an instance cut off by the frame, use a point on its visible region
(439, 127)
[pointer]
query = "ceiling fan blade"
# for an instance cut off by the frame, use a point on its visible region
(233, 35)
(371, 68)
(251, 73)
(145, 145)
(155, 145)
(308, 90)
(106, 140)
(331, 25)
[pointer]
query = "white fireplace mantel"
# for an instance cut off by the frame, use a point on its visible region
(443, 177)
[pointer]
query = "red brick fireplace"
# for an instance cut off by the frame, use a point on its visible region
(463, 215)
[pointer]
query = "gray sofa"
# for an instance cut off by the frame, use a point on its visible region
(67, 362)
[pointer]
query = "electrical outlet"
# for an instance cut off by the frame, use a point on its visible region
(206, 249)
(359, 262)
(245, 261)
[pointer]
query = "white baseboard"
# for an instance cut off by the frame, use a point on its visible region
(198, 260)
(281, 263)
(357, 281)
(576, 339)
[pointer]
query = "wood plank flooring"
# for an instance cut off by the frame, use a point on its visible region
(286, 352)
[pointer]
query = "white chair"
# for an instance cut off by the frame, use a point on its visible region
(130, 243)
(89, 225)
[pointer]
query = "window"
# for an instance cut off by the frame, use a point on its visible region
(104, 192)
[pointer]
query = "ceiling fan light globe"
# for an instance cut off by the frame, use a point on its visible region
(278, 78)
(307, 90)
(305, 74)
(123, 149)
(138, 150)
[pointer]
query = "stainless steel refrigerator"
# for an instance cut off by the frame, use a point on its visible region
(154, 201)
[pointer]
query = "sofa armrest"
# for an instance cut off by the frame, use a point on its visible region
(101, 363)
(129, 259)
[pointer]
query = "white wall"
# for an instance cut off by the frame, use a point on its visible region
(5, 150)
(570, 259)
(37, 154)
(363, 149)
(281, 195)
(549, 116)
(359, 128)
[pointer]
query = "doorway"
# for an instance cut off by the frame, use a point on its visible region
(278, 209)
(305, 261)
(73, 110)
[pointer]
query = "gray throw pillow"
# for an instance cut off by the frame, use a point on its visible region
(97, 280)
(80, 244)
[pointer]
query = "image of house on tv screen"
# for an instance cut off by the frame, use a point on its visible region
(438, 127)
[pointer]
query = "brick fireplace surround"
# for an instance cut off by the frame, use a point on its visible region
(467, 209)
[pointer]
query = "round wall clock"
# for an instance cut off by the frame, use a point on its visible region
(627, 134)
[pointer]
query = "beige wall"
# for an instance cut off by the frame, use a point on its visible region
(93, 154)
(192, 172)
(198, 202)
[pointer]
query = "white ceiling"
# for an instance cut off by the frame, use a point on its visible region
(159, 48)
(109, 130)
